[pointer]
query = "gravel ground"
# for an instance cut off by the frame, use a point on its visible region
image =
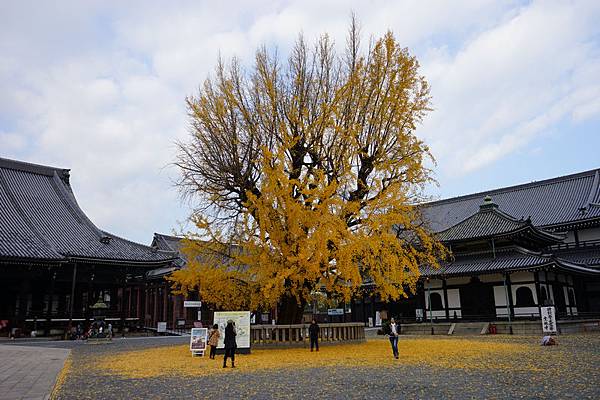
(576, 376)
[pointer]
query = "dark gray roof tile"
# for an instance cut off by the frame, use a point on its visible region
(40, 218)
(558, 201)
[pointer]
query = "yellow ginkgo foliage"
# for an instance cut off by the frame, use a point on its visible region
(307, 178)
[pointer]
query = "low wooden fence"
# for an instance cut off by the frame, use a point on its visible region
(297, 335)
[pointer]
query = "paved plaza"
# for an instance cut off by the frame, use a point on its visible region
(429, 367)
(28, 372)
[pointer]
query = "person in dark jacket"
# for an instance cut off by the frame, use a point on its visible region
(313, 332)
(230, 343)
(392, 329)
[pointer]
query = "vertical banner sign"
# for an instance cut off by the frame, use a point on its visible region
(198, 340)
(242, 327)
(548, 320)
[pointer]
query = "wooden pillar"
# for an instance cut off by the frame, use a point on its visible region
(511, 308)
(72, 299)
(129, 289)
(146, 305)
(138, 306)
(536, 277)
(446, 306)
(50, 301)
(165, 303)
(175, 310)
(154, 317)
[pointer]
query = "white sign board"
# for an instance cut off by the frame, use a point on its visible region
(419, 314)
(161, 327)
(241, 319)
(335, 311)
(198, 340)
(548, 319)
(377, 318)
(189, 303)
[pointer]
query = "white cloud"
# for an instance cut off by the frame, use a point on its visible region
(512, 82)
(100, 87)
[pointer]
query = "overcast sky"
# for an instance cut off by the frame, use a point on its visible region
(99, 87)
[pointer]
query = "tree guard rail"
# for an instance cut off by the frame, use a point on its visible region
(297, 334)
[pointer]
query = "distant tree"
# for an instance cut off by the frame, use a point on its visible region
(313, 172)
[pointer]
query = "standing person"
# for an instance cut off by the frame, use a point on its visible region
(213, 340)
(392, 330)
(313, 332)
(230, 344)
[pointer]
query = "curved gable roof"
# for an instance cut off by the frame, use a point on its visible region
(490, 222)
(549, 203)
(40, 218)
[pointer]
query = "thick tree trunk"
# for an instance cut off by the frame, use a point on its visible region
(290, 311)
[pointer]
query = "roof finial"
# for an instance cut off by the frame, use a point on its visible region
(488, 204)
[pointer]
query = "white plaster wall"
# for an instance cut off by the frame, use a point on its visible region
(458, 313)
(491, 278)
(499, 296)
(531, 286)
(453, 298)
(433, 284)
(461, 280)
(521, 276)
(501, 312)
(589, 234)
(566, 294)
(526, 311)
(573, 310)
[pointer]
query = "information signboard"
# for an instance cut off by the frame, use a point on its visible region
(198, 339)
(242, 327)
(335, 311)
(548, 319)
(191, 304)
(161, 327)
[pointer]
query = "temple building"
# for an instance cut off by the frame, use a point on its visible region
(55, 264)
(514, 250)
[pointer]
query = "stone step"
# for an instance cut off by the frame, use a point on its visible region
(469, 329)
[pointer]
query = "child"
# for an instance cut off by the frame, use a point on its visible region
(213, 340)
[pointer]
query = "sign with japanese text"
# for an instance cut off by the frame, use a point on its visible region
(241, 320)
(548, 319)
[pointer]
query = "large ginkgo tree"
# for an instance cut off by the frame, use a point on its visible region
(307, 175)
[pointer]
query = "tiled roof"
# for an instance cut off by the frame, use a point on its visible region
(558, 201)
(509, 259)
(171, 244)
(489, 222)
(40, 219)
(587, 256)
